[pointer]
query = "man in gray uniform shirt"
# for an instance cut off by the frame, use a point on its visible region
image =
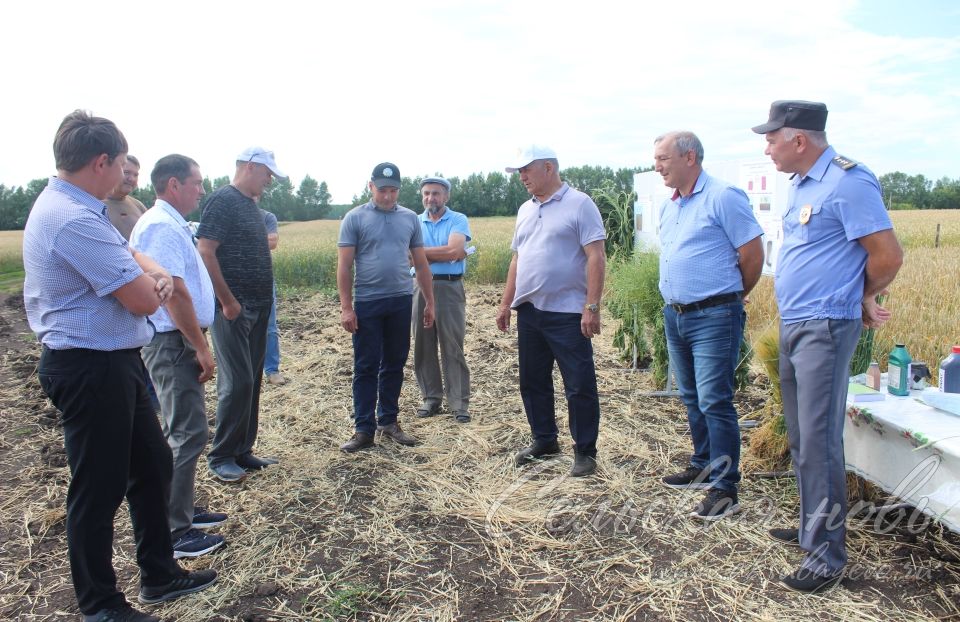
(379, 237)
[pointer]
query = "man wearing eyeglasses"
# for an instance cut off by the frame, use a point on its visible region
(232, 239)
(711, 257)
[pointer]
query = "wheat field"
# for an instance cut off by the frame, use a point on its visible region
(924, 298)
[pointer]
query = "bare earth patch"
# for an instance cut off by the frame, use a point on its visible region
(450, 530)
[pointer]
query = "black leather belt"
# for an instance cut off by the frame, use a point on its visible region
(447, 277)
(706, 303)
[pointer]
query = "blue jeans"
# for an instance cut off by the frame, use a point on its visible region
(271, 362)
(544, 337)
(704, 347)
(380, 348)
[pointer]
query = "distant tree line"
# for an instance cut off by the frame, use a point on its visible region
(902, 191)
(490, 194)
(501, 194)
(310, 201)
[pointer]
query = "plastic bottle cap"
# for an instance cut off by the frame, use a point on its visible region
(956, 349)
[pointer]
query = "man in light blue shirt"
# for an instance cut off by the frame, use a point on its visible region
(445, 234)
(87, 295)
(839, 251)
(711, 256)
(178, 357)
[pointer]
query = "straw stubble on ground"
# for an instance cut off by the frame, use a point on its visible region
(450, 529)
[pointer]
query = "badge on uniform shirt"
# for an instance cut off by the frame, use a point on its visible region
(805, 212)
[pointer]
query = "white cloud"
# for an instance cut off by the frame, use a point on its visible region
(456, 86)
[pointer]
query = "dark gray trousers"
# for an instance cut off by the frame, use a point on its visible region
(240, 345)
(173, 367)
(814, 376)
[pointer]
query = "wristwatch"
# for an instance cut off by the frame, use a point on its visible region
(592, 308)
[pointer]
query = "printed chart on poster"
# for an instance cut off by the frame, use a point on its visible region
(758, 177)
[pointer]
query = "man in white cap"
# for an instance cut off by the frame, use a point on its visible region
(554, 282)
(232, 239)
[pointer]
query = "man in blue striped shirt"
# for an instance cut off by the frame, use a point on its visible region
(87, 295)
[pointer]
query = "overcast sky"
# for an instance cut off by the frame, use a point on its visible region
(454, 87)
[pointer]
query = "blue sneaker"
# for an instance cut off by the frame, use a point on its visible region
(195, 543)
(204, 518)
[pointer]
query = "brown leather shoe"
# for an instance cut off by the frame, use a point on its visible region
(393, 431)
(358, 441)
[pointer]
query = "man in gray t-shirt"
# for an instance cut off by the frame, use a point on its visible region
(379, 237)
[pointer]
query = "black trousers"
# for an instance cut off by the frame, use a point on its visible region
(545, 337)
(115, 449)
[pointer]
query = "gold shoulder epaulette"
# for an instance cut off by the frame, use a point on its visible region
(844, 162)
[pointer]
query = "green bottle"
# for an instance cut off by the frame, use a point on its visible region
(898, 371)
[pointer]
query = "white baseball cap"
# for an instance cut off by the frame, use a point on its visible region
(263, 156)
(530, 153)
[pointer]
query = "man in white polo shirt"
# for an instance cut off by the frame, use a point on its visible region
(554, 282)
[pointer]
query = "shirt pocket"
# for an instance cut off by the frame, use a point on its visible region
(813, 229)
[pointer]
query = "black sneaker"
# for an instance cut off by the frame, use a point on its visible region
(204, 518)
(187, 583)
(536, 450)
(690, 478)
(195, 543)
(250, 462)
(807, 582)
(717, 504)
(583, 465)
(786, 536)
(124, 613)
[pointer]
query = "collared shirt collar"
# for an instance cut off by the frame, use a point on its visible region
(697, 187)
(819, 168)
(425, 216)
(556, 195)
(78, 194)
(373, 205)
(172, 212)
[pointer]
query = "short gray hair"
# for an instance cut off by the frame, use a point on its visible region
(817, 138)
(684, 141)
